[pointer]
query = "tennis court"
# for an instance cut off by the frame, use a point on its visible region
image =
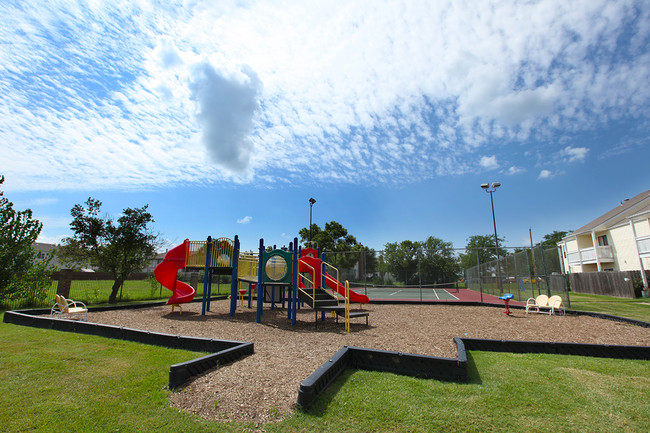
(408, 293)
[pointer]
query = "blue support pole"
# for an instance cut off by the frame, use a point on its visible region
(206, 275)
(260, 288)
(284, 292)
(234, 281)
(294, 283)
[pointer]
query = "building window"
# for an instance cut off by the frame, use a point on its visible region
(602, 241)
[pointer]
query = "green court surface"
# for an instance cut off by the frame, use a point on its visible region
(411, 293)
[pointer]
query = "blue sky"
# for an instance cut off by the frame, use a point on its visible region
(226, 117)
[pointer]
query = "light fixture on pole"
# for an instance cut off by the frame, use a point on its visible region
(311, 203)
(490, 189)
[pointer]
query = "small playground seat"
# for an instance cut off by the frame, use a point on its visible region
(242, 293)
(69, 309)
(536, 303)
(555, 305)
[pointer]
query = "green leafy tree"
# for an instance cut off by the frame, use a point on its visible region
(430, 261)
(402, 260)
(483, 248)
(120, 247)
(382, 268)
(439, 263)
(552, 239)
(22, 274)
(335, 241)
(367, 259)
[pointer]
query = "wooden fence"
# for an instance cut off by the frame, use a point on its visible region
(621, 284)
(65, 277)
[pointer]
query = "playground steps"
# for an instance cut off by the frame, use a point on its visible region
(340, 311)
(326, 302)
(323, 299)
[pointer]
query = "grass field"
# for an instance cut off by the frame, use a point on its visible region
(638, 309)
(55, 381)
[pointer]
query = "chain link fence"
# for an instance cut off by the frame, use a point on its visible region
(525, 273)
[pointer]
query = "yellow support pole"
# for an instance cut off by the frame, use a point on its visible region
(347, 306)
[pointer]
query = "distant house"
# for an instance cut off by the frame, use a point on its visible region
(618, 240)
(155, 261)
(44, 250)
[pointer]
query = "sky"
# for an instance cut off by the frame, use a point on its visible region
(226, 117)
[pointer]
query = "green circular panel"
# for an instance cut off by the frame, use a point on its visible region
(276, 268)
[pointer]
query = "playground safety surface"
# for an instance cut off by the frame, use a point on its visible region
(263, 387)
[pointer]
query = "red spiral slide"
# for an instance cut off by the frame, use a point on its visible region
(167, 274)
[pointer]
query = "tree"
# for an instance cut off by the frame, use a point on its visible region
(481, 246)
(428, 262)
(334, 238)
(367, 260)
(552, 239)
(22, 274)
(402, 260)
(120, 247)
(439, 263)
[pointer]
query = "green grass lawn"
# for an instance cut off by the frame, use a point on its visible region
(57, 381)
(638, 309)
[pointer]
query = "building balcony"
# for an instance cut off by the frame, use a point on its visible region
(586, 256)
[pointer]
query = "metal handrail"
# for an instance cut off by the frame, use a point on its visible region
(323, 264)
(347, 306)
(313, 286)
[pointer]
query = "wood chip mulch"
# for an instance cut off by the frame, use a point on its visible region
(263, 387)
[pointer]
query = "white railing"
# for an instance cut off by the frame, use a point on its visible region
(605, 254)
(588, 255)
(574, 257)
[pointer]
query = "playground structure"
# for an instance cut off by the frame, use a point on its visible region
(293, 276)
(215, 256)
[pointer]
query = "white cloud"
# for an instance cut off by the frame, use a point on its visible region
(545, 174)
(512, 170)
(167, 53)
(226, 109)
(574, 154)
(489, 162)
(247, 219)
(351, 91)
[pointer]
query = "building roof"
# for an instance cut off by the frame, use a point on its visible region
(611, 218)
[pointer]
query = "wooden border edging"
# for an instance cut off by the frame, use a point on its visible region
(224, 351)
(446, 368)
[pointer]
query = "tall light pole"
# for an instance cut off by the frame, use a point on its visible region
(311, 203)
(490, 189)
